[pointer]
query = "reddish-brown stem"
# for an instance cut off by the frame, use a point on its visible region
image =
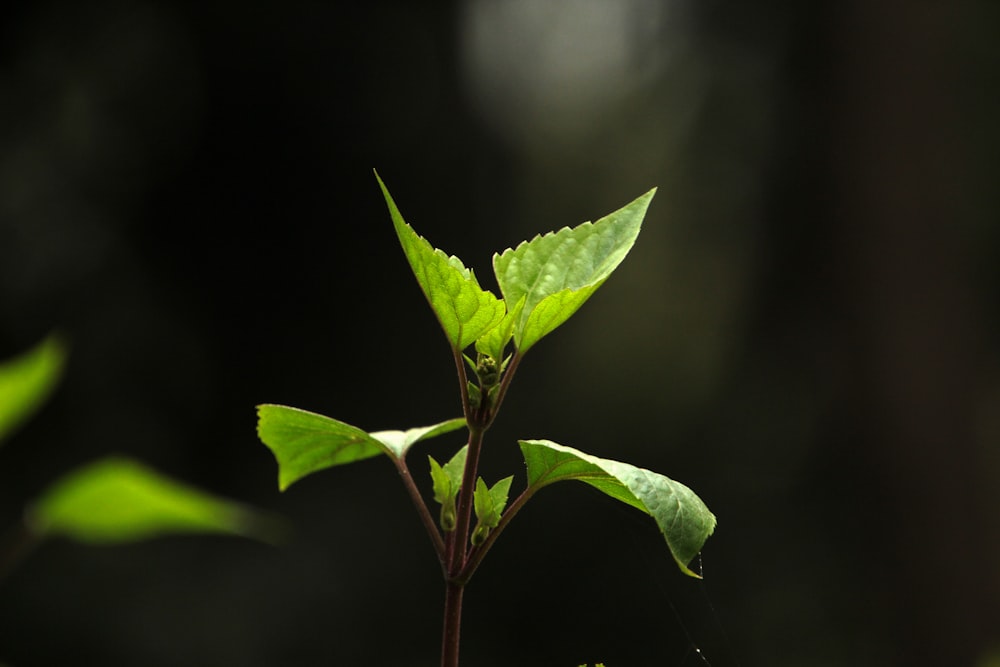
(508, 377)
(463, 384)
(452, 623)
(465, 498)
(425, 514)
(456, 553)
(478, 419)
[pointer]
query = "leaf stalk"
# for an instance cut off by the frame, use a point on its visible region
(422, 511)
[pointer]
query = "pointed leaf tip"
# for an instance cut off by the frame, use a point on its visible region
(464, 310)
(557, 272)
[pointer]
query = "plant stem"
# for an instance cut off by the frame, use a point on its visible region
(425, 514)
(452, 623)
(465, 503)
(463, 385)
(478, 419)
(508, 377)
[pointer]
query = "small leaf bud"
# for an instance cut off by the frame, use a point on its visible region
(449, 516)
(475, 395)
(479, 535)
(487, 370)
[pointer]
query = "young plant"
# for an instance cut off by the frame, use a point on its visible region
(543, 282)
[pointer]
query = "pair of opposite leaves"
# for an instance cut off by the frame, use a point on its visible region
(543, 281)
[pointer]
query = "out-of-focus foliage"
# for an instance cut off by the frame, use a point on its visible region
(114, 500)
(27, 381)
(118, 500)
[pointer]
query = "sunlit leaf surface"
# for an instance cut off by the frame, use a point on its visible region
(556, 273)
(464, 310)
(681, 516)
(305, 442)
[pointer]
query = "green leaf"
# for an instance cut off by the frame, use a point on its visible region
(399, 442)
(447, 482)
(464, 310)
(27, 380)
(447, 479)
(443, 494)
(494, 341)
(551, 312)
(556, 273)
(305, 442)
(441, 481)
(681, 516)
(455, 467)
(117, 500)
(490, 502)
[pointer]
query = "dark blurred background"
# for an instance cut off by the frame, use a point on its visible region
(805, 333)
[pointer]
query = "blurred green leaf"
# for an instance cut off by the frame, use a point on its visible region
(556, 273)
(27, 380)
(305, 442)
(117, 500)
(681, 516)
(464, 310)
